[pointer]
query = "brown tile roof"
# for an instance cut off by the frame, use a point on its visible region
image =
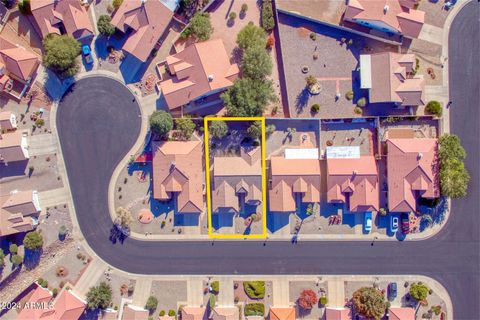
(6, 122)
(193, 313)
(11, 149)
(412, 171)
(177, 168)
(357, 178)
(390, 82)
(289, 175)
(225, 313)
(16, 211)
(49, 14)
(338, 314)
(235, 176)
(131, 312)
(148, 20)
(395, 14)
(401, 313)
(282, 313)
(198, 70)
(17, 60)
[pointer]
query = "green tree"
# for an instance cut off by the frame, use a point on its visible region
(255, 130)
(117, 3)
(124, 217)
(201, 26)
(172, 313)
(251, 36)
(256, 63)
(450, 148)
(13, 248)
(369, 302)
(152, 304)
(17, 260)
(454, 178)
(268, 20)
(2, 258)
(186, 127)
(161, 123)
(419, 291)
(99, 297)
(61, 54)
(104, 25)
(269, 129)
(248, 98)
(33, 241)
(434, 107)
(218, 129)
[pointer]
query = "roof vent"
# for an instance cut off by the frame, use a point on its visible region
(210, 77)
(355, 172)
(385, 9)
(172, 166)
(419, 156)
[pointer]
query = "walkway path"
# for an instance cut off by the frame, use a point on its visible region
(281, 292)
(142, 290)
(90, 277)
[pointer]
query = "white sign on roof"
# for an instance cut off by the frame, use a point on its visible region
(348, 152)
(303, 153)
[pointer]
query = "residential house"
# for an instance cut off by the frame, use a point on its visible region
(199, 71)
(19, 212)
(62, 17)
(8, 121)
(67, 305)
(178, 174)
(412, 169)
(389, 77)
(293, 181)
(18, 68)
(281, 313)
(132, 312)
(225, 313)
(338, 314)
(13, 147)
(353, 182)
(143, 22)
(237, 181)
(401, 313)
(193, 313)
(393, 17)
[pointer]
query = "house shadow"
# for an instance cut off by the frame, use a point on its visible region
(277, 220)
(32, 258)
(223, 218)
(101, 47)
(132, 69)
(186, 219)
(12, 169)
(349, 219)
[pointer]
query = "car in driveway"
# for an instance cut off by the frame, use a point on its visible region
(87, 54)
(392, 291)
(405, 223)
(394, 224)
(367, 222)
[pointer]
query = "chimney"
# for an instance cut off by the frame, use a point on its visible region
(210, 77)
(419, 156)
(385, 9)
(355, 172)
(172, 166)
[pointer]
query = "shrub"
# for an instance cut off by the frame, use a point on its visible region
(307, 299)
(24, 7)
(349, 95)
(255, 130)
(54, 292)
(117, 3)
(313, 36)
(418, 291)
(454, 177)
(362, 102)
(99, 297)
(151, 304)
(382, 212)
(2, 258)
(251, 36)
(323, 301)
(434, 107)
(211, 301)
(104, 25)
(162, 313)
(215, 287)
(161, 123)
(315, 108)
(269, 129)
(39, 122)
(254, 289)
(172, 313)
(201, 26)
(270, 41)
(218, 129)
(358, 110)
(244, 8)
(256, 63)
(254, 309)
(186, 127)
(350, 42)
(33, 241)
(268, 20)
(13, 248)
(17, 260)
(248, 97)
(61, 54)
(369, 302)
(62, 231)
(232, 16)
(311, 80)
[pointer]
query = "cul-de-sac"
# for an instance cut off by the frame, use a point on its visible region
(239, 159)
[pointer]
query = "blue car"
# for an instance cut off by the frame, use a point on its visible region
(87, 54)
(367, 222)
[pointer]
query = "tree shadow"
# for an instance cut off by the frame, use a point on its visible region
(32, 258)
(118, 234)
(301, 100)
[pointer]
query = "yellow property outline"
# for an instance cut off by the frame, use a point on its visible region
(262, 235)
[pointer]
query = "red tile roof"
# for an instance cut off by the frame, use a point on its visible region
(287, 313)
(17, 60)
(338, 314)
(401, 313)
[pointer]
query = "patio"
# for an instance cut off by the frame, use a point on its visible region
(362, 135)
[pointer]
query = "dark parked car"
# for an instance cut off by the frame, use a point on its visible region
(392, 290)
(405, 223)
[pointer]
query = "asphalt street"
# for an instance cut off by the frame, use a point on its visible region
(98, 122)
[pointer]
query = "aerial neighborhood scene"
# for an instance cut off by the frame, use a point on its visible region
(239, 159)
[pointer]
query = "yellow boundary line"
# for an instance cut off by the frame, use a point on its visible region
(212, 235)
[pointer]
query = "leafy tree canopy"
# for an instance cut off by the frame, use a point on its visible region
(218, 129)
(61, 53)
(251, 36)
(99, 297)
(201, 26)
(104, 25)
(186, 127)
(248, 98)
(369, 302)
(161, 123)
(33, 240)
(419, 291)
(257, 63)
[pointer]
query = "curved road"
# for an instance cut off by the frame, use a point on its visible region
(96, 132)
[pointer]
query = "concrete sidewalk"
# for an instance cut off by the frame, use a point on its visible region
(226, 295)
(142, 291)
(42, 144)
(194, 292)
(281, 292)
(431, 34)
(336, 293)
(90, 277)
(53, 197)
